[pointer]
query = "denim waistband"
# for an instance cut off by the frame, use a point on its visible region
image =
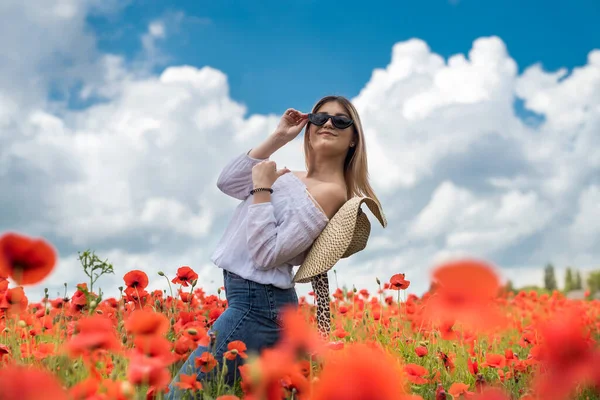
(262, 299)
(253, 283)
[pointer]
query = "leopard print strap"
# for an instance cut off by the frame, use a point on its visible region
(320, 285)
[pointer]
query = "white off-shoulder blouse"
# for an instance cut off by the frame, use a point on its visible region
(264, 241)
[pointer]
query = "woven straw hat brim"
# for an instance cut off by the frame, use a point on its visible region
(346, 233)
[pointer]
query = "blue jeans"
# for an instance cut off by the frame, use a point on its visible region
(252, 316)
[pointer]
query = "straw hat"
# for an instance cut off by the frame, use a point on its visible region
(346, 233)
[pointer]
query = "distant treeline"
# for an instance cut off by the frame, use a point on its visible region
(573, 281)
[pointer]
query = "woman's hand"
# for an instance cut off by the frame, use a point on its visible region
(291, 124)
(265, 173)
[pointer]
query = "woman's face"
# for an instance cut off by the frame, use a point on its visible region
(327, 138)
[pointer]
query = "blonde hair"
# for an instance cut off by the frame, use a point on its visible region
(356, 170)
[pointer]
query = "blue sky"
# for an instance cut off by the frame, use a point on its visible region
(280, 52)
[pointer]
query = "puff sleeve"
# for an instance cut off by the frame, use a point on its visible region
(235, 179)
(271, 243)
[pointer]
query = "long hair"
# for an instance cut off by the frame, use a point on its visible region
(356, 169)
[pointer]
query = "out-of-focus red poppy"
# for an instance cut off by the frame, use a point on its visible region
(298, 335)
(360, 371)
(28, 383)
(150, 371)
(415, 373)
(262, 377)
(464, 291)
(189, 382)
(146, 322)
(567, 353)
(26, 260)
(94, 333)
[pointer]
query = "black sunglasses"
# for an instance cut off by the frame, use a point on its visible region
(339, 121)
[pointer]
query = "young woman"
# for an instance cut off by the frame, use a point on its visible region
(280, 215)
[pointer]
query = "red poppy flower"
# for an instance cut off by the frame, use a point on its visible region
(236, 348)
(568, 355)
(206, 362)
(415, 373)
(494, 361)
(188, 382)
(146, 322)
(26, 260)
(421, 351)
(360, 371)
(136, 279)
(28, 383)
(458, 389)
(397, 282)
(150, 371)
(185, 276)
(93, 333)
(464, 291)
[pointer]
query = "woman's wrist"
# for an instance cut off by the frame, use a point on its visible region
(257, 185)
(263, 196)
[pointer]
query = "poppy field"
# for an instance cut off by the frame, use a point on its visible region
(466, 338)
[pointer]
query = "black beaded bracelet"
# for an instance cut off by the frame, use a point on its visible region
(261, 189)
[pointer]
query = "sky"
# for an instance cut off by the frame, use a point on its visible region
(481, 121)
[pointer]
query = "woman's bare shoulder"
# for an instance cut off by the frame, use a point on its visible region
(330, 196)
